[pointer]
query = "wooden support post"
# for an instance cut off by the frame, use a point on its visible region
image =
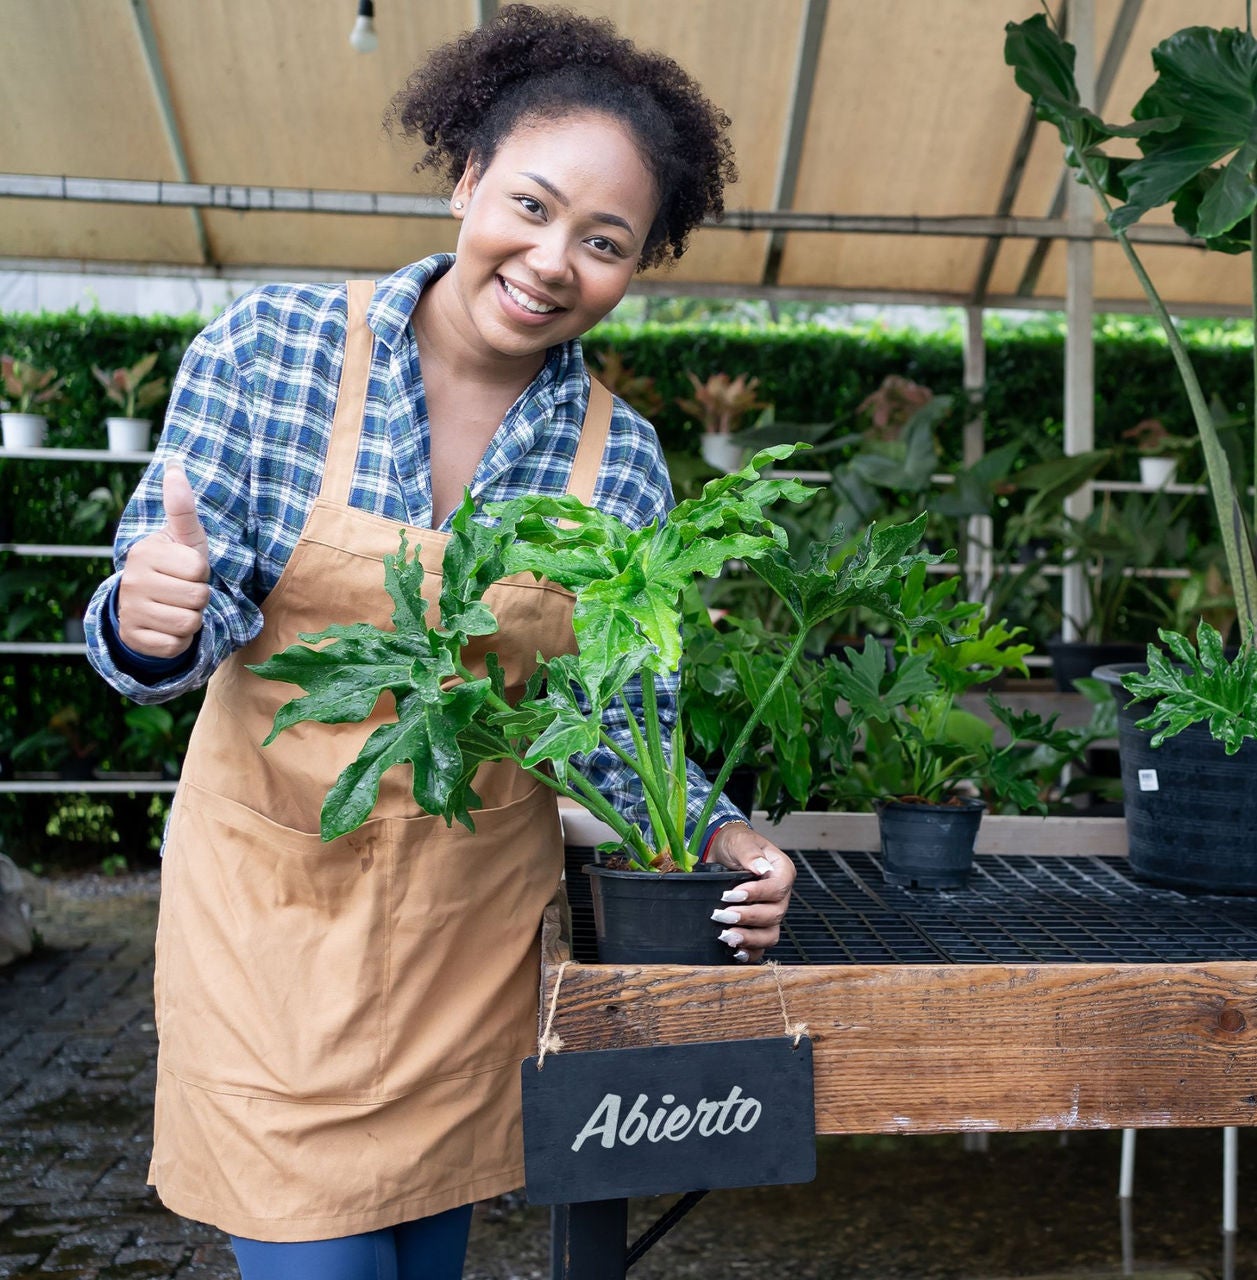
(1079, 312)
(979, 531)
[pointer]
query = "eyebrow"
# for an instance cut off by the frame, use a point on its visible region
(613, 218)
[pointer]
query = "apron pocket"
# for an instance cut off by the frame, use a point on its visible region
(275, 972)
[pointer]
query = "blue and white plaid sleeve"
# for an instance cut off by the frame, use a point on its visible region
(208, 429)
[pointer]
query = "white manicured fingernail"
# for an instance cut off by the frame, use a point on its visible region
(731, 938)
(761, 866)
(726, 917)
(733, 895)
(741, 956)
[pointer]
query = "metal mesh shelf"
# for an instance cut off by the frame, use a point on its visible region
(1014, 910)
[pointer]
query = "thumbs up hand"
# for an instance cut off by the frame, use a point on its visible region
(162, 593)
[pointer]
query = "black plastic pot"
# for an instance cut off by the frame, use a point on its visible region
(928, 846)
(642, 917)
(1191, 810)
(1073, 659)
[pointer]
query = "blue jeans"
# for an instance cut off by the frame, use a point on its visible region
(426, 1249)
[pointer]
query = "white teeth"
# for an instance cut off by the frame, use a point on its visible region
(529, 304)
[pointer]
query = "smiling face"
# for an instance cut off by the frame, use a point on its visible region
(552, 229)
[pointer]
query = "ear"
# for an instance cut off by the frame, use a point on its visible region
(460, 197)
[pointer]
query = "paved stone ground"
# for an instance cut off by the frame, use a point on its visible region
(77, 1053)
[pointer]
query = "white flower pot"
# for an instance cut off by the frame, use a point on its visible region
(129, 435)
(720, 452)
(23, 430)
(1156, 473)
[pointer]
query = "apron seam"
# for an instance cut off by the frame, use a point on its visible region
(263, 1095)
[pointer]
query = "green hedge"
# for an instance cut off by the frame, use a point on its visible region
(810, 373)
(815, 374)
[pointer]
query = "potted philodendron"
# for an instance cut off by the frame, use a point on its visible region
(1159, 451)
(627, 586)
(26, 389)
(133, 390)
(928, 765)
(720, 404)
(1191, 804)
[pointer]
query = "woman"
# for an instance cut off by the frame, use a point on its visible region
(341, 1025)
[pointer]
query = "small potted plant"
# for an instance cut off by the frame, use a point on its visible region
(720, 404)
(133, 390)
(26, 388)
(929, 766)
(627, 586)
(1159, 451)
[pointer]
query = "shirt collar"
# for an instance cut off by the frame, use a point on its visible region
(396, 297)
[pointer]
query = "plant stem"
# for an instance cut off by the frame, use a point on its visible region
(1239, 557)
(656, 795)
(734, 754)
(579, 789)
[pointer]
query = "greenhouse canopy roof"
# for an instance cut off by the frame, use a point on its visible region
(885, 152)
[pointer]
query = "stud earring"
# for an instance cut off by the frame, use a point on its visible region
(458, 204)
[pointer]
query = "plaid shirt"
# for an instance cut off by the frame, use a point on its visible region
(250, 418)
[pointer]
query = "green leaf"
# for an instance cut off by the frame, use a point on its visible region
(1043, 66)
(425, 736)
(1199, 687)
(403, 580)
(864, 685)
(344, 680)
(1207, 81)
(471, 564)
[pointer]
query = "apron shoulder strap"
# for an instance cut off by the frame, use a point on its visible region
(593, 443)
(351, 396)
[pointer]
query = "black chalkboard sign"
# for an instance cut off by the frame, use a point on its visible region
(689, 1117)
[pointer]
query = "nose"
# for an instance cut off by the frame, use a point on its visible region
(550, 258)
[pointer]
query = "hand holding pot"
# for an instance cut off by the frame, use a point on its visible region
(752, 913)
(163, 590)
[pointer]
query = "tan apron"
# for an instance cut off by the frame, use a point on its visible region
(341, 1025)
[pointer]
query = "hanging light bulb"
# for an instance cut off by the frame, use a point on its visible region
(363, 37)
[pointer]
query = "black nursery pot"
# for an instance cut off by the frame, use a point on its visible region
(642, 917)
(928, 846)
(1191, 809)
(1076, 659)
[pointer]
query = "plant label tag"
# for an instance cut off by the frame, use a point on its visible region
(614, 1123)
(1148, 780)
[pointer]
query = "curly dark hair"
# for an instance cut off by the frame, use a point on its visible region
(530, 63)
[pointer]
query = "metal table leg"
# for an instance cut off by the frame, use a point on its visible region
(589, 1241)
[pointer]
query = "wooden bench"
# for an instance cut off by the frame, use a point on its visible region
(935, 1046)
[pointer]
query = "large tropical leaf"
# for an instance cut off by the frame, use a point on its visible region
(1207, 82)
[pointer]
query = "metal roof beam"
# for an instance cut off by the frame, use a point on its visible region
(166, 110)
(643, 287)
(811, 33)
(249, 199)
(1008, 193)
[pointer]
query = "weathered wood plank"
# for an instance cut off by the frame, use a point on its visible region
(921, 1049)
